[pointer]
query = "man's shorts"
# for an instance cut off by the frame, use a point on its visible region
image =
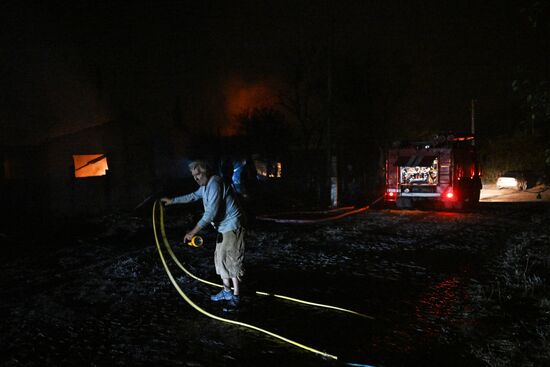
(229, 254)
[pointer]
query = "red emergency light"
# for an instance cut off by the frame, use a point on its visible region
(449, 195)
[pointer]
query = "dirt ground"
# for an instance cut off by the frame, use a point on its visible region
(464, 288)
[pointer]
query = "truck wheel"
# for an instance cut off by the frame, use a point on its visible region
(474, 199)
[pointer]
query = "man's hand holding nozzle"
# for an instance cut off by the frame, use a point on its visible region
(166, 201)
(188, 237)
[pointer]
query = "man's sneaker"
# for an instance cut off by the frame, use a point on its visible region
(233, 304)
(234, 301)
(222, 296)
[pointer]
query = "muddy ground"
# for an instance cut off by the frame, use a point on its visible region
(444, 288)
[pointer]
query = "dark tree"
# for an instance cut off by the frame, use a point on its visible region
(266, 131)
(532, 85)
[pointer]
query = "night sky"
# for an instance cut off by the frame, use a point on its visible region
(397, 64)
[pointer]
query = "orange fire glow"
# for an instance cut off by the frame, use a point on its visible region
(88, 165)
(243, 98)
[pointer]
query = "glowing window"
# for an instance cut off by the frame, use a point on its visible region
(271, 169)
(89, 165)
(279, 169)
(261, 168)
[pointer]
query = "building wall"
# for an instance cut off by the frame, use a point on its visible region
(129, 179)
(23, 191)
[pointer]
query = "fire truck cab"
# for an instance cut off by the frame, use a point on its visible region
(444, 171)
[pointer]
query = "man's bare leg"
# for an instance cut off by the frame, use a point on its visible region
(227, 285)
(235, 286)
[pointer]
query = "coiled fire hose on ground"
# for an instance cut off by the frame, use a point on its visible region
(206, 313)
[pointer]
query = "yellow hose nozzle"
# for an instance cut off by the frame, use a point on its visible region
(196, 241)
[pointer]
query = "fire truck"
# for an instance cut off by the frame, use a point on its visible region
(444, 172)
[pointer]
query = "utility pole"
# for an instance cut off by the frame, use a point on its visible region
(332, 158)
(473, 122)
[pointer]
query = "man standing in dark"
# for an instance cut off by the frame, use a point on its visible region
(223, 211)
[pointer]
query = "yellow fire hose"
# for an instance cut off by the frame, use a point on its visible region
(192, 304)
(197, 243)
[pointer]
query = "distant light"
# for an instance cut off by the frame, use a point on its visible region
(449, 195)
